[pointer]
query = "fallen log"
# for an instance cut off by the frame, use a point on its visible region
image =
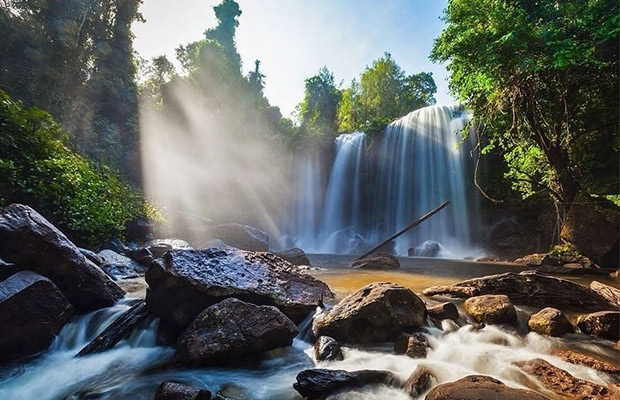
(116, 331)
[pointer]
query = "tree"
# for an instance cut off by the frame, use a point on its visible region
(542, 79)
(318, 110)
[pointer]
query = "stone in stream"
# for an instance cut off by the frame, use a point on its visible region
(30, 242)
(320, 383)
(551, 322)
(32, 312)
(611, 293)
(491, 309)
(439, 312)
(378, 261)
(604, 324)
(117, 330)
(419, 381)
(327, 349)
(232, 331)
(159, 247)
(170, 390)
(528, 288)
(295, 256)
(411, 344)
(574, 357)
(240, 236)
(378, 312)
(480, 387)
(564, 384)
(185, 282)
(118, 266)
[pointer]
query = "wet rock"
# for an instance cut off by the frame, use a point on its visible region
(119, 267)
(419, 381)
(528, 288)
(439, 312)
(412, 344)
(295, 256)
(327, 349)
(320, 383)
(159, 247)
(184, 282)
(231, 392)
(551, 322)
(117, 246)
(428, 249)
(32, 312)
(378, 261)
(605, 324)
(378, 312)
(140, 230)
(231, 331)
(611, 293)
(142, 256)
(243, 237)
(7, 269)
(480, 387)
(562, 383)
(91, 256)
(491, 309)
(574, 357)
(170, 390)
(29, 241)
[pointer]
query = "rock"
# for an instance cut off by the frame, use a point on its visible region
(231, 391)
(611, 293)
(243, 237)
(32, 312)
(320, 383)
(92, 256)
(232, 330)
(159, 247)
(7, 269)
(551, 322)
(491, 309)
(419, 381)
(594, 231)
(562, 383)
(327, 349)
(378, 261)
(428, 249)
(479, 387)
(605, 324)
(140, 230)
(117, 246)
(378, 312)
(119, 267)
(532, 260)
(412, 344)
(142, 256)
(295, 256)
(31, 242)
(528, 288)
(615, 275)
(170, 390)
(574, 357)
(184, 282)
(439, 312)
(116, 331)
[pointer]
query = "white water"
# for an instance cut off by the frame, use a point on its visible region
(123, 373)
(376, 189)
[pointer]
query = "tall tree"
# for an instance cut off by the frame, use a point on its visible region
(318, 110)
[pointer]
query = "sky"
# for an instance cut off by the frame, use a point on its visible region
(293, 39)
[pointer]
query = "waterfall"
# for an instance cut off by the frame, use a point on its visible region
(377, 185)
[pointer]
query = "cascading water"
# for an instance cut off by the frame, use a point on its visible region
(377, 189)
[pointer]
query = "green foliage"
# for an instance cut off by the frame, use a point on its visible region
(542, 78)
(38, 169)
(319, 107)
(383, 94)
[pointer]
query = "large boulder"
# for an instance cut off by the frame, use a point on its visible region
(243, 237)
(528, 288)
(170, 390)
(378, 312)
(551, 322)
(320, 383)
(378, 261)
(185, 282)
(231, 331)
(31, 242)
(118, 266)
(611, 293)
(575, 357)
(32, 312)
(564, 384)
(479, 387)
(605, 324)
(491, 309)
(327, 349)
(295, 256)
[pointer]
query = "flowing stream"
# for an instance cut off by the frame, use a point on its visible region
(136, 366)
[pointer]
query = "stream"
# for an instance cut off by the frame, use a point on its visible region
(136, 366)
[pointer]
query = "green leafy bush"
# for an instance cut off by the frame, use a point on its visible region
(38, 169)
